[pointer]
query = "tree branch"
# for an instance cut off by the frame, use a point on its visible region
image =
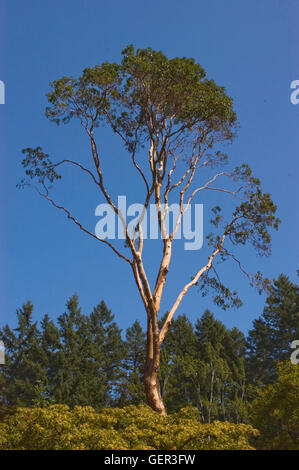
(69, 216)
(80, 166)
(186, 288)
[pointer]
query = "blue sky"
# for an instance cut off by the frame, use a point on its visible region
(250, 48)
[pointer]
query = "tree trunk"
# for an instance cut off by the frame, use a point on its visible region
(152, 392)
(211, 396)
(152, 365)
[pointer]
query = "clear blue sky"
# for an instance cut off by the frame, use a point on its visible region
(251, 48)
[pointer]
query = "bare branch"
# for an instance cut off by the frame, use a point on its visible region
(69, 216)
(248, 275)
(139, 284)
(80, 166)
(140, 171)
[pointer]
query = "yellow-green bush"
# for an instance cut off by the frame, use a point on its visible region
(130, 428)
(276, 411)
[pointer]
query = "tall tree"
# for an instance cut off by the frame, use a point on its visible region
(131, 390)
(183, 119)
(24, 373)
(221, 379)
(211, 335)
(270, 339)
(50, 346)
(179, 362)
(236, 391)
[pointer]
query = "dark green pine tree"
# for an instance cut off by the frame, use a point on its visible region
(24, 374)
(269, 340)
(50, 345)
(214, 369)
(66, 368)
(179, 366)
(131, 385)
(235, 392)
(86, 357)
(222, 384)
(107, 350)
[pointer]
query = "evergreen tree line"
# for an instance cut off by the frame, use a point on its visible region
(84, 360)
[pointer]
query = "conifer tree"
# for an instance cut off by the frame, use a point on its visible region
(222, 380)
(236, 392)
(272, 333)
(24, 372)
(179, 363)
(214, 369)
(131, 387)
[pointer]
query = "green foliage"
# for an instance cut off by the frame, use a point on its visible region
(222, 383)
(77, 362)
(24, 369)
(178, 360)
(271, 335)
(87, 363)
(130, 428)
(142, 92)
(223, 297)
(204, 367)
(38, 166)
(82, 360)
(146, 81)
(276, 412)
(254, 216)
